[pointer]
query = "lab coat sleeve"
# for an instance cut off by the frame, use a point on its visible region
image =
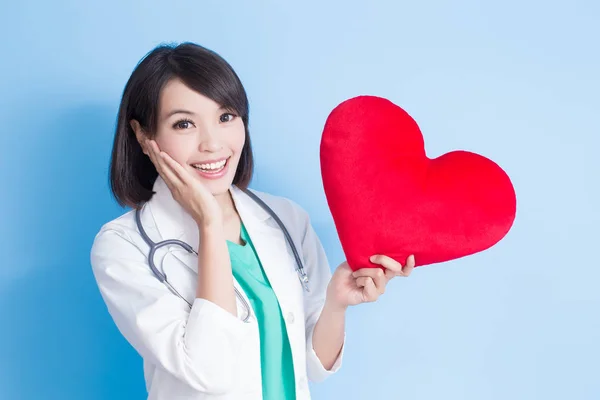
(319, 274)
(197, 345)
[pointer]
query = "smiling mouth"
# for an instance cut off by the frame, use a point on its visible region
(213, 167)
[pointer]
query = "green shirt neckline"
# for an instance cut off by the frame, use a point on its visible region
(277, 367)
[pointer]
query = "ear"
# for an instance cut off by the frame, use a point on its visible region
(140, 135)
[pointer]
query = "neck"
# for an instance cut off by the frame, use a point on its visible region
(227, 205)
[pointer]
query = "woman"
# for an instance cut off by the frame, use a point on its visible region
(232, 321)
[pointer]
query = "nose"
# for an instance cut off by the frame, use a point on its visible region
(209, 141)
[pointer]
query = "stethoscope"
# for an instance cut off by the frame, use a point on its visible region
(161, 276)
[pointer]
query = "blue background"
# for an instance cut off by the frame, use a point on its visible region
(515, 81)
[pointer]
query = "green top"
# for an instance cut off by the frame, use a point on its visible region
(277, 368)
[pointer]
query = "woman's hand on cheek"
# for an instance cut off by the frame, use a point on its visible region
(348, 288)
(188, 191)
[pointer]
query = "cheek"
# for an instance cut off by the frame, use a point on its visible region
(236, 145)
(237, 140)
(175, 149)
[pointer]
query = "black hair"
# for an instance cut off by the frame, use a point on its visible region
(132, 173)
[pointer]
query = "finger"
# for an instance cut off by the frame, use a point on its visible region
(185, 176)
(392, 267)
(361, 281)
(387, 262)
(152, 152)
(376, 274)
(164, 169)
(154, 156)
(410, 265)
(149, 151)
(389, 274)
(177, 168)
(369, 291)
(144, 146)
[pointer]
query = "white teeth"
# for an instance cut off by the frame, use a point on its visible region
(211, 166)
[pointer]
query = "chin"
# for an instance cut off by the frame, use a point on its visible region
(218, 188)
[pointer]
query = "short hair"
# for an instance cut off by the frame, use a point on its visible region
(132, 173)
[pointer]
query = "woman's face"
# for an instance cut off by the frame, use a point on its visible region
(204, 138)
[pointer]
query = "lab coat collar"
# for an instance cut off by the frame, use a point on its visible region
(172, 221)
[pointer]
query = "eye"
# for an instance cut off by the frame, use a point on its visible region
(183, 124)
(227, 117)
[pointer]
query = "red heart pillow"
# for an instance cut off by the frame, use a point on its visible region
(387, 197)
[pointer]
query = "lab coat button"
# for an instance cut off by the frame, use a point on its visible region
(302, 383)
(290, 317)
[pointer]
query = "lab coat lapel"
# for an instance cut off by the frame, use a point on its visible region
(173, 222)
(269, 242)
(170, 218)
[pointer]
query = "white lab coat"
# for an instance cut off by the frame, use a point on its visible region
(205, 352)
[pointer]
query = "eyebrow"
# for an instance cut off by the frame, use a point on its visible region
(182, 111)
(170, 114)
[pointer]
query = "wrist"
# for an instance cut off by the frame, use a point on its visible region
(334, 308)
(210, 229)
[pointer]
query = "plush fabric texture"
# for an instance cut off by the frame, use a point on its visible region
(387, 197)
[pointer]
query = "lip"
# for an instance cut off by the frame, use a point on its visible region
(216, 160)
(213, 175)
